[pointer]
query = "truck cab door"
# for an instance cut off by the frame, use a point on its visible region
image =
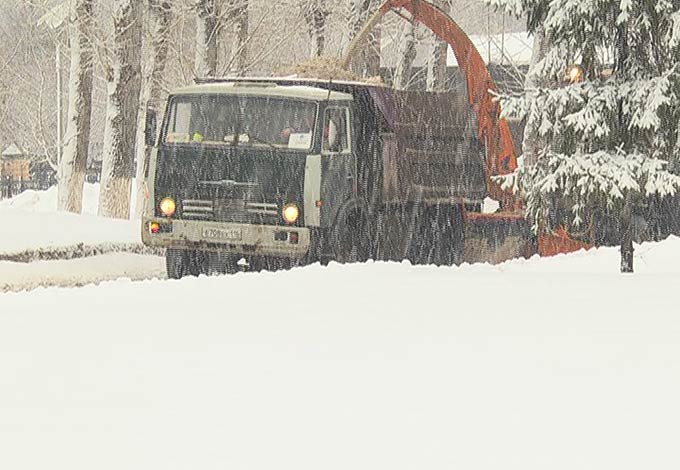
(338, 163)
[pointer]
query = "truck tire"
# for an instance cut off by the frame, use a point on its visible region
(351, 238)
(270, 263)
(438, 238)
(181, 263)
(449, 245)
(218, 263)
(176, 263)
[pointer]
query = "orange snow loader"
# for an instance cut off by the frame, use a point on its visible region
(492, 237)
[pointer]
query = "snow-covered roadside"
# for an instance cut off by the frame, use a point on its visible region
(30, 221)
(374, 366)
(21, 231)
(79, 272)
(42, 247)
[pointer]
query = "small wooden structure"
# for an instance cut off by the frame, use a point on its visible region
(15, 164)
(15, 171)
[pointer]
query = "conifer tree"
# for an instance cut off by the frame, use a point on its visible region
(607, 112)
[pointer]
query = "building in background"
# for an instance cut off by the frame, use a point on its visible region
(507, 56)
(15, 170)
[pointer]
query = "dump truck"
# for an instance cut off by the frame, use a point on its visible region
(268, 173)
(281, 172)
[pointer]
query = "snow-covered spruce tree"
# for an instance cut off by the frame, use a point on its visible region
(77, 139)
(607, 138)
(123, 84)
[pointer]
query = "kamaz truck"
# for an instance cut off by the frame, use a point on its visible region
(274, 173)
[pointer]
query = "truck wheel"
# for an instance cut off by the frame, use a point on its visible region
(449, 241)
(181, 263)
(438, 237)
(350, 240)
(270, 263)
(176, 263)
(220, 263)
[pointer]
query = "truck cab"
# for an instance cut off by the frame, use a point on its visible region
(248, 171)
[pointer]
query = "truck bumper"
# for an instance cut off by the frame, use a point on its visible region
(243, 239)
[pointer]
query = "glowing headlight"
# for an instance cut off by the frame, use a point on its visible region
(291, 213)
(168, 207)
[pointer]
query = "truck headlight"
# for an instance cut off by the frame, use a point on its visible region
(291, 213)
(168, 207)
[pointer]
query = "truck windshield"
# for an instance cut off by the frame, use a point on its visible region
(242, 121)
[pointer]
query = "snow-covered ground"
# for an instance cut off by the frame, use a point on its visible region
(32, 229)
(558, 363)
(31, 221)
(79, 271)
(369, 366)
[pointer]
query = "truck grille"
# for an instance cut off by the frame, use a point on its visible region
(230, 210)
(196, 209)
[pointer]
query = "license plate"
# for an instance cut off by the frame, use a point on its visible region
(222, 234)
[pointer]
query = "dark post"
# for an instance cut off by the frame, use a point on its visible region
(627, 249)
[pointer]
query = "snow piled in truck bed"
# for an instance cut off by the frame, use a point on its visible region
(539, 364)
(30, 220)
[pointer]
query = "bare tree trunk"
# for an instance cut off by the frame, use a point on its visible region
(124, 83)
(160, 16)
(241, 59)
(627, 250)
(77, 140)
(407, 54)
(316, 14)
(436, 65)
(206, 38)
(367, 63)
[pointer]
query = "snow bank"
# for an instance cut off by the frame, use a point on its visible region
(30, 221)
(46, 201)
(79, 272)
(541, 364)
(650, 258)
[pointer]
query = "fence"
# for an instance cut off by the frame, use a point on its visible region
(10, 187)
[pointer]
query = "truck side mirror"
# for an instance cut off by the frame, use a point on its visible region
(150, 127)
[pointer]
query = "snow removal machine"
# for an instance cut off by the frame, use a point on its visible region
(289, 171)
